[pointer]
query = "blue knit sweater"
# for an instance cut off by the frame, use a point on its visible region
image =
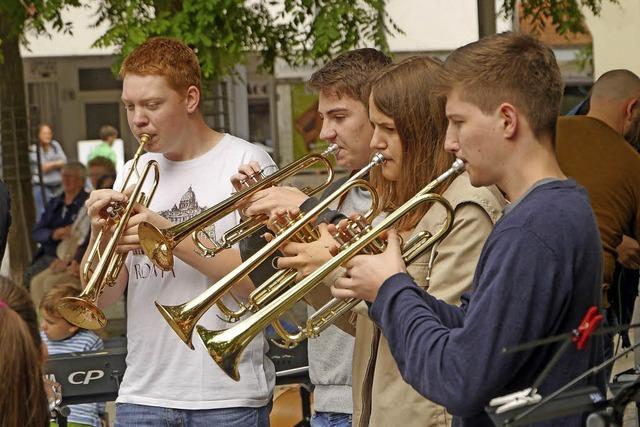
(539, 271)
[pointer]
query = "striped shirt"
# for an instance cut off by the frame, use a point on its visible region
(83, 340)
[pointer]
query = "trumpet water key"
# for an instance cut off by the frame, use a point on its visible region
(159, 245)
(182, 318)
(82, 310)
(226, 346)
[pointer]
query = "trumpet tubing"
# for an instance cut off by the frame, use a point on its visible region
(158, 244)
(182, 318)
(335, 308)
(82, 310)
(225, 347)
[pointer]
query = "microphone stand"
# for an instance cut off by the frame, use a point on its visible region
(570, 384)
(579, 337)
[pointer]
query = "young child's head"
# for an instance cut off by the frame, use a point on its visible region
(108, 134)
(53, 324)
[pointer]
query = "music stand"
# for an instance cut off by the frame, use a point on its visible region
(562, 402)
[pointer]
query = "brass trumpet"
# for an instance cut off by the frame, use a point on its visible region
(182, 318)
(158, 244)
(326, 315)
(82, 310)
(226, 346)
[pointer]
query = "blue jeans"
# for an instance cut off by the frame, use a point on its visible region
(128, 414)
(330, 419)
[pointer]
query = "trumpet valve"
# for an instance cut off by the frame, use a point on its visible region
(112, 211)
(306, 234)
(253, 179)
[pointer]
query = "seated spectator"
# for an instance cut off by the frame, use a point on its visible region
(56, 222)
(60, 337)
(52, 159)
(23, 399)
(65, 269)
(108, 135)
(102, 172)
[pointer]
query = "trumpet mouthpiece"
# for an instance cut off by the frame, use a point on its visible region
(331, 149)
(458, 165)
(378, 159)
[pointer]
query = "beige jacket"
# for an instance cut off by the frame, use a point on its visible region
(381, 397)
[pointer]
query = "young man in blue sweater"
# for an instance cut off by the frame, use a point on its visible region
(540, 269)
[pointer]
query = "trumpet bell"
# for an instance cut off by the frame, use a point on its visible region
(181, 321)
(82, 313)
(221, 352)
(154, 244)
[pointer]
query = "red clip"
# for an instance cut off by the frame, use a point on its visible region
(588, 324)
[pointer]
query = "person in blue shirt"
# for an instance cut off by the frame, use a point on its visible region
(540, 268)
(55, 223)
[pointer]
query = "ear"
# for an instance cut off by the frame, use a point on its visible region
(508, 119)
(631, 104)
(73, 329)
(193, 99)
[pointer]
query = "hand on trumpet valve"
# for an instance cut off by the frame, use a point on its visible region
(308, 257)
(248, 174)
(102, 206)
(267, 201)
(349, 229)
(365, 274)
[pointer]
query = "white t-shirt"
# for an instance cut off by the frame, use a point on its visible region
(161, 369)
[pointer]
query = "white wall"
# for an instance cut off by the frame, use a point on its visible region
(64, 72)
(77, 44)
(433, 25)
(616, 33)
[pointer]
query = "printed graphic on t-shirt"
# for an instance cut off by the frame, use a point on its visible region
(181, 211)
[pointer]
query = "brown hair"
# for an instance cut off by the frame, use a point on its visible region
(106, 131)
(166, 57)
(349, 73)
(508, 67)
(404, 92)
(77, 167)
(51, 300)
(20, 301)
(45, 125)
(104, 162)
(23, 400)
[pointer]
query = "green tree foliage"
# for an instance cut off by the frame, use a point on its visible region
(223, 32)
(566, 16)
